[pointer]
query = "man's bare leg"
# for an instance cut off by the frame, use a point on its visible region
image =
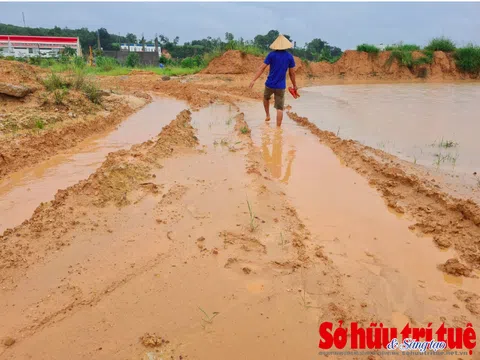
(279, 117)
(266, 105)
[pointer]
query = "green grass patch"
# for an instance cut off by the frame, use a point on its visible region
(441, 44)
(174, 71)
(468, 59)
(371, 49)
(403, 47)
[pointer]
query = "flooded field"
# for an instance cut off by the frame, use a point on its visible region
(428, 124)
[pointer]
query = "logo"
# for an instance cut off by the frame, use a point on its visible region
(377, 336)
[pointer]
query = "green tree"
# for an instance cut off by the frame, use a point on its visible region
(229, 37)
(131, 38)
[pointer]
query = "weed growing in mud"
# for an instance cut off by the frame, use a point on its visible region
(244, 130)
(229, 121)
(224, 142)
(78, 79)
(441, 44)
(445, 144)
(441, 158)
(338, 131)
(371, 49)
(208, 319)
(468, 59)
(253, 226)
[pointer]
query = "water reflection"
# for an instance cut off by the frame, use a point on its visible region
(273, 138)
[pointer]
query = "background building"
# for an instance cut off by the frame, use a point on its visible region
(139, 47)
(45, 46)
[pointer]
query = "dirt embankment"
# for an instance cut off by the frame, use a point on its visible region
(37, 125)
(353, 65)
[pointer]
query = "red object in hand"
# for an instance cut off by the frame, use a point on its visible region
(294, 92)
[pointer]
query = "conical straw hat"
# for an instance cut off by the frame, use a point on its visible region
(281, 43)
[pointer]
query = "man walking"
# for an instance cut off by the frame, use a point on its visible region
(280, 61)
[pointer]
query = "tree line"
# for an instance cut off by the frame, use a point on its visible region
(315, 50)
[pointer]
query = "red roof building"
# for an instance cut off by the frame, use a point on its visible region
(45, 46)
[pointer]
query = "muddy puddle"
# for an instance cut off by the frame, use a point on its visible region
(23, 191)
(371, 243)
(428, 124)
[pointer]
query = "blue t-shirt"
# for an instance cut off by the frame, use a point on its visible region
(280, 61)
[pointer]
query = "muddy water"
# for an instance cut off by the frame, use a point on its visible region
(23, 191)
(383, 261)
(407, 120)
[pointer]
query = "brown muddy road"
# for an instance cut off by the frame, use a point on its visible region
(225, 241)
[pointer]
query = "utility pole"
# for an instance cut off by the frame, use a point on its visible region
(23, 16)
(98, 41)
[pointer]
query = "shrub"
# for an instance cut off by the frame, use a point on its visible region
(188, 63)
(468, 59)
(441, 44)
(403, 57)
(35, 60)
(371, 49)
(106, 63)
(133, 59)
(92, 92)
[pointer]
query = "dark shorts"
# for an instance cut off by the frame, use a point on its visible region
(279, 97)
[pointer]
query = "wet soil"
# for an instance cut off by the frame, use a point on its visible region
(168, 244)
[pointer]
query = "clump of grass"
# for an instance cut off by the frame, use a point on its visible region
(403, 47)
(253, 226)
(371, 49)
(39, 124)
(92, 92)
(244, 130)
(59, 96)
(445, 144)
(468, 59)
(441, 44)
(54, 82)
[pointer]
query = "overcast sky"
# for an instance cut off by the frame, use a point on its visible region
(341, 24)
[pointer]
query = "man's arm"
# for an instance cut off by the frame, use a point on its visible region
(257, 75)
(291, 73)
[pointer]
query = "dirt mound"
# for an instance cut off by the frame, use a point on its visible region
(17, 73)
(233, 62)
(237, 62)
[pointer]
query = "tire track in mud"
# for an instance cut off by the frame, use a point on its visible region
(309, 261)
(451, 222)
(121, 174)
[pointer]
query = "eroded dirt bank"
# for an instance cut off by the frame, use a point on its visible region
(168, 244)
(42, 123)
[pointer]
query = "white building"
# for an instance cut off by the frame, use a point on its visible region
(139, 47)
(29, 46)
